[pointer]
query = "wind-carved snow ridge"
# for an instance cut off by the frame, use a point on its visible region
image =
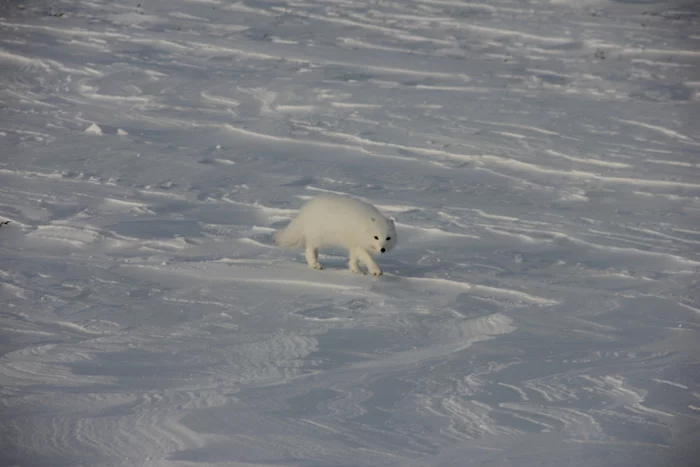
(541, 161)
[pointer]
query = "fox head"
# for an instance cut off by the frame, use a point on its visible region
(380, 235)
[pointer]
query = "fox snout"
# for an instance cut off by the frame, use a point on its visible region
(383, 250)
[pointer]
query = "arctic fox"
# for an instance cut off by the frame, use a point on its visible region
(340, 221)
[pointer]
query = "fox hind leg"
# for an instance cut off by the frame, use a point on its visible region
(312, 257)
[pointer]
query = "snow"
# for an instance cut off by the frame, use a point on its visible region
(542, 162)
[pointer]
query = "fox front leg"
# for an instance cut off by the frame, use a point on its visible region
(369, 262)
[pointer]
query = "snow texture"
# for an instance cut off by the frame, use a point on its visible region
(541, 159)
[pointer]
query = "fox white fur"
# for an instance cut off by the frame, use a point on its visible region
(340, 221)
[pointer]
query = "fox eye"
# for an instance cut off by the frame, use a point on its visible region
(376, 238)
(388, 238)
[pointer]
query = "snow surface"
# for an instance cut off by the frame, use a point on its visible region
(542, 162)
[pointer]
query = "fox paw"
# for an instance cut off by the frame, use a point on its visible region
(316, 266)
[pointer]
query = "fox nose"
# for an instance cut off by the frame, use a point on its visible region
(383, 250)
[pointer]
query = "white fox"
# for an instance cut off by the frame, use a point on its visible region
(340, 221)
